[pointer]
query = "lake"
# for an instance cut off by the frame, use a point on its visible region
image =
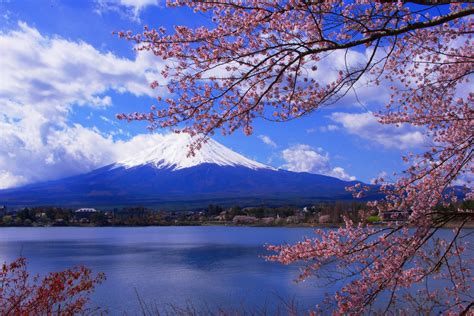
(214, 266)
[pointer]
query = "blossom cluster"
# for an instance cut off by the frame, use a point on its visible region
(261, 59)
(60, 293)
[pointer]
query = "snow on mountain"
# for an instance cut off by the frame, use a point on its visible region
(172, 153)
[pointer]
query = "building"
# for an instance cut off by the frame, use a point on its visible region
(84, 213)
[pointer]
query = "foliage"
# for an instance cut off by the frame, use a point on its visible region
(262, 59)
(213, 209)
(61, 293)
(7, 219)
(373, 219)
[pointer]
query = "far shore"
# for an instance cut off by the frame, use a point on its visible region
(450, 225)
(321, 215)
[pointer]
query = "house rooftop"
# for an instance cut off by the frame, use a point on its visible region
(86, 210)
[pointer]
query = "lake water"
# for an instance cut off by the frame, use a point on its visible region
(217, 266)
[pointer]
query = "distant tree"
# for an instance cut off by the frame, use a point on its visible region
(7, 219)
(285, 211)
(236, 210)
(258, 212)
(261, 59)
(26, 213)
(213, 210)
(27, 222)
(99, 218)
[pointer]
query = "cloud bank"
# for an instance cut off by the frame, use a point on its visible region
(365, 125)
(267, 141)
(304, 158)
(128, 8)
(42, 80)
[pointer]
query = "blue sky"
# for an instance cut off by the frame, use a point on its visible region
(64, 76)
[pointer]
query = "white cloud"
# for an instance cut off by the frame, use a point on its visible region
(380, 178)
(268, 141)
(340, 173)
(48, 70)
(329, 128)
(464, 180)
(8, 180)
(66, 151)
(107, 120)
(326, 128)
(365, 125)
(42, 79)
(304, 158)
(128, 8)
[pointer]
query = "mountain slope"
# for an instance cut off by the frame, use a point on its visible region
(165, 176)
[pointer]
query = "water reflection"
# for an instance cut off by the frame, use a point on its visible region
(215, 265)
(208, 265)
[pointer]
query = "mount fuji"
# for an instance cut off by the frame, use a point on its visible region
(164, 176)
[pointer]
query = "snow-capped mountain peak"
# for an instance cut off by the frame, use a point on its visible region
(172, 153)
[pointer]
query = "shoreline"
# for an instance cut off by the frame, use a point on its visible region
(228, 224)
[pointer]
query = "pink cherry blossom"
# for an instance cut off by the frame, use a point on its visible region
(260, 59)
